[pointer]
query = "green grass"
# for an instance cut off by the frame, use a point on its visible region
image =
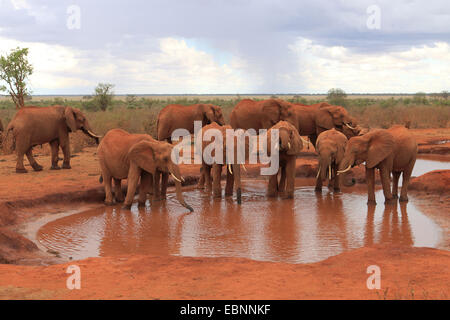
(139, 114)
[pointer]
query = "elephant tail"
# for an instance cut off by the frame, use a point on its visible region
(100, 179)
(9, 140)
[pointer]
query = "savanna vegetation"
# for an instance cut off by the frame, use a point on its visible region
(139, 113)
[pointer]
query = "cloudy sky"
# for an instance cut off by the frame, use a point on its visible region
(231, 46)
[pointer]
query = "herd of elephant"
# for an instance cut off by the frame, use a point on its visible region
(339, 142)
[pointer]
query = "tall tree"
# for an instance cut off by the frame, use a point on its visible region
(14, 70)
(103, 95)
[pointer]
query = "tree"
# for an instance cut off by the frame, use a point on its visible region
(103, 95)
(336, 96)
(445, 94)
(14, 70)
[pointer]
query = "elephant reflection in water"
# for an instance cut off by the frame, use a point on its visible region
(282, 232)
(393, 229)
(137, 232)
(331, 219)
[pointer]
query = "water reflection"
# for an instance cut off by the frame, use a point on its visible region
(308, 228)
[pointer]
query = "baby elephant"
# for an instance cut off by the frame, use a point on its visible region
(391, 151)
(330, 147)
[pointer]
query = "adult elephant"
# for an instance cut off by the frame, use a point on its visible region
(250, 114)
(175, 116)
(152, 157)
(112, 153)
(391, 150)
(33, 126)
(311, 120)
(135, 157)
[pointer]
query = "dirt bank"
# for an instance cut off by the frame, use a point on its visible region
(407, 272)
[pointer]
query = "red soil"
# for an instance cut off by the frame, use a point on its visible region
(406, 272)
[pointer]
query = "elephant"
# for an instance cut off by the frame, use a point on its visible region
(152, 157)
(175, 116)
(250, 114)
(211, 173)
(112, 153)
(121, 156)
(289, 146)
(330, 147)
(33, 126)
(311, 120)
(392, 150)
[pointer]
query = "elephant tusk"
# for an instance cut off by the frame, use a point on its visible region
(318, 173)
(229, 168)
(304, 141)
(289, 146)
(343, 171)
(93, 134)
(173, 176)
(349, 126)
(243, 167)
(329, 171)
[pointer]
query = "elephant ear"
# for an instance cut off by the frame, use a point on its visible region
(143, 155)
(295, 141)
(381, 145)
(329, 116)
(207, 112)
(69, 115)
(271, 110)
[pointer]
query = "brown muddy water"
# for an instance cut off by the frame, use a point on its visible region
(309, 228)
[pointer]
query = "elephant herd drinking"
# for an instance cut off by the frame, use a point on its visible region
(339, 141)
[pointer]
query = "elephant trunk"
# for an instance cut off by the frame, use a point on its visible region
(176, 172)
(346, 164)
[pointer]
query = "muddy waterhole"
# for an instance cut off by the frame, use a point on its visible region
(309, 228)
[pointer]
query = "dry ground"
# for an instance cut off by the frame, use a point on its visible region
(419, 273)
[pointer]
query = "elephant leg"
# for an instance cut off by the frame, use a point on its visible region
(21, 149)
(406, 177)
(217, 187)
(118, 190)
(54, 145)
(65, 146)
(207, 177)
(290, 179)
(157, 186)
(337, 179)
(395, 178)
(282, 184)
(386, 183)
(134, 174)
(107, 180)
(201, 180)
(164, 181)
(370, 179)
(318, 184)
(272, 188)
(230, 181)
(144, 187)
(32, 161)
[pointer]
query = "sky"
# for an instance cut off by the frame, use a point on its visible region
(231, 47)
